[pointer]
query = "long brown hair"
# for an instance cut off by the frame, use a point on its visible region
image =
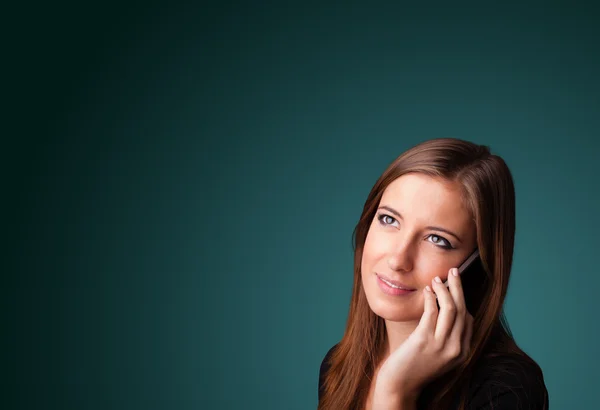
(488, 192)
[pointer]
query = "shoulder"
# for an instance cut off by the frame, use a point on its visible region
(325, 363)
(324, 368)
(507, 382)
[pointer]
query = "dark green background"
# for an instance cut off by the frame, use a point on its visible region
(181, 185)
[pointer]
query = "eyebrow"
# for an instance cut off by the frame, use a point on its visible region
(435, 228)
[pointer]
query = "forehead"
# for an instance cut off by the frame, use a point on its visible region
(428, 199)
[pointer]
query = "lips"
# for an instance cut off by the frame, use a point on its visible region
(394, 282)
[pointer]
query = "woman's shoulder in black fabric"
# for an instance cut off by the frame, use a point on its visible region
(324, 368)
(507, 382)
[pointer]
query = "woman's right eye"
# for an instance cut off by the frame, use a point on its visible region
(385, 219)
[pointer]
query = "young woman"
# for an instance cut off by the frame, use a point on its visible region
(411, 342)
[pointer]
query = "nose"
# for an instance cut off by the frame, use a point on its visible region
(401, 257)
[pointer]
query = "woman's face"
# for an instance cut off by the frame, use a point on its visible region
(421, 229)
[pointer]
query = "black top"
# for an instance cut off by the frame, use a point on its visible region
(499, 384)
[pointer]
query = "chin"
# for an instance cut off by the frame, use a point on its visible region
(394, 310)
(388, 311)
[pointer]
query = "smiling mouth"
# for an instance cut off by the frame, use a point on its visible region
(392, 285)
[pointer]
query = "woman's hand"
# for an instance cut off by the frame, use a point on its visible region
(440, 341)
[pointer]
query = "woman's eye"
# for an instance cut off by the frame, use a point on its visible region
(437, 240)
(385, 219)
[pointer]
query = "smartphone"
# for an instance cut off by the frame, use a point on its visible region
(465, 264)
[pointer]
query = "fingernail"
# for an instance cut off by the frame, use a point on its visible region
(455, 271)
(428, 288)
(437, 279)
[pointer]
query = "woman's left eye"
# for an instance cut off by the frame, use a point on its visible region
(438, 240)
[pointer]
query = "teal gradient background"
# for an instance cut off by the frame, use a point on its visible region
(182, 184)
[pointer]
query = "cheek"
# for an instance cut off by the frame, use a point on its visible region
(434, 265)
(373, 256)
(375, 243)
(372, 251)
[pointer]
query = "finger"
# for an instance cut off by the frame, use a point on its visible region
(455, 343)
(447, 310)
(456, 291)
(459, 331)
(430, 312)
